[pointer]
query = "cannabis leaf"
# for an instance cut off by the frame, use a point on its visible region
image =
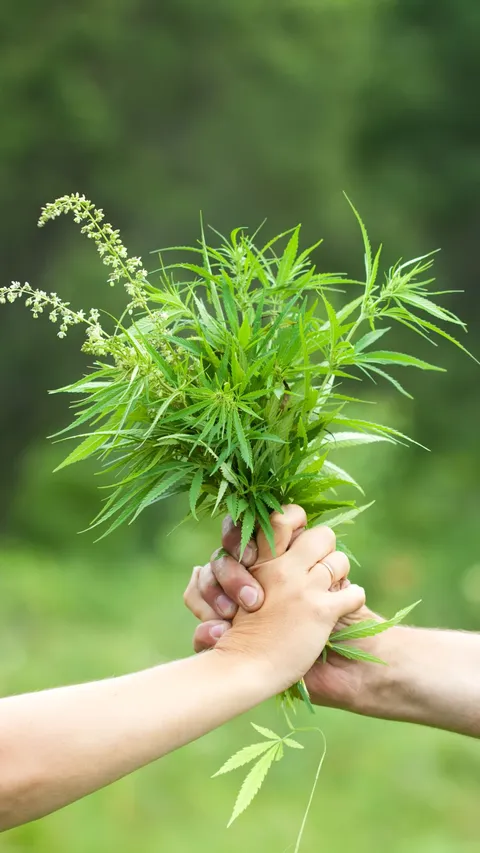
(266, 752)
(371, 627)
(361, 630)
(253, 782)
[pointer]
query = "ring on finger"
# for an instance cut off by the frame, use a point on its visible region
(337, 565)
(329, 569)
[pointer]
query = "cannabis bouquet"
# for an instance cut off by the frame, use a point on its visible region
(223, 376)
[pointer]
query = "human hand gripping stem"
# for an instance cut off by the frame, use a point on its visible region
(217, 589)
(299, 610)
(432, 674)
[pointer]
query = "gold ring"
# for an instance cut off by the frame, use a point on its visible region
(329, 569)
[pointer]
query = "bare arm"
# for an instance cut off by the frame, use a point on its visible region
(59, 745)
(433, 678)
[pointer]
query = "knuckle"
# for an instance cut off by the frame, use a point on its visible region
(229, 574)
(327, 536)
(279, 519)
(207, 583)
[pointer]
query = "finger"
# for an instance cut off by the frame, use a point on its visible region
(296, 534)
(231, 536)
(284, 526)
(213, 594)
(333, 569)
(194, 600)
(208, 634)
(237, 583)
(311, 547)
(347, 601)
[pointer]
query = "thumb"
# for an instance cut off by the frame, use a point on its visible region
(347, 600)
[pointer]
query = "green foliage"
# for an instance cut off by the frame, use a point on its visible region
(270, 751)
(361, 631)
(222, 377)
(264, 754)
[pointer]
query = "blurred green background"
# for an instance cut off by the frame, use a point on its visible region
(245, 110)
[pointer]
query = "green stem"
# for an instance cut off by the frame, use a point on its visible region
(312, 793)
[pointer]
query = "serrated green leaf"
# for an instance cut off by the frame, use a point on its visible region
(243, 756)
(342, 474)
(399, 358)
(248, 524)
(354, 654)
(293, 744)
(350, 439)
(265, 524)
(232, 506)
(302, 689)
(396, 384)
(88, 446)
(220, 494)
(348, 516)
(431, 308)
(268, 733)
(244, 444)
(159, 489)
(194, 492)
(371, 627)
(370, 338)
(244, 333)
(253, 782)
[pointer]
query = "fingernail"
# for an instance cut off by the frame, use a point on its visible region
(217, 631)
(225, 605)
(248, 596)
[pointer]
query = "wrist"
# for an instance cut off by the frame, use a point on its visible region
(259, 673)
(383, 690)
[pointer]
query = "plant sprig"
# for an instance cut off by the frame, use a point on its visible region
(222, 378)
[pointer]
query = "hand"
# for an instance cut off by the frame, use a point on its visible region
(287, 635)
(338, 682)
(217, 589)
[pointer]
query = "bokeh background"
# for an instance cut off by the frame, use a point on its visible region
(244, 110)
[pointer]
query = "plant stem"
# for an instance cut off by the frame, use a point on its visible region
(312, 793)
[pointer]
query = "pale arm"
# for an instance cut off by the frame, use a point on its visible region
(59, 745)
(433, 678)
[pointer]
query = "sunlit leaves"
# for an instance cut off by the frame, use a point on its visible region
(225, 385)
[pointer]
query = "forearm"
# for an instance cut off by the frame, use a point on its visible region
(432, 678)
(59, 745)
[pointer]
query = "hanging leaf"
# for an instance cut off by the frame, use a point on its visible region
(253, 782)
(243, 756)
(265, 732)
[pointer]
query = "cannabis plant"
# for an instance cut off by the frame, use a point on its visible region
(223, 377)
